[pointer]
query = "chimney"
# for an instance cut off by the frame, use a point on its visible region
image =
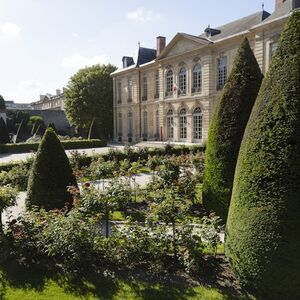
(160, 45)
(58, 92)
(127, 61)
(278, 3)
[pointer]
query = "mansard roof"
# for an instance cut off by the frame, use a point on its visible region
(238, 26)
(284, 9)
(145, 55)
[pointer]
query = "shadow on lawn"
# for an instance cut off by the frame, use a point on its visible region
(140, 283)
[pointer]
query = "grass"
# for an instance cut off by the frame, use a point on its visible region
(38, 283)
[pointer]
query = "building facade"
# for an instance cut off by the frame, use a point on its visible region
(50, 102)
(169, 94)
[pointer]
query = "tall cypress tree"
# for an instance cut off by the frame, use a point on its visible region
(4, 137)
(227, 128)
(50, 175)
(263, 228)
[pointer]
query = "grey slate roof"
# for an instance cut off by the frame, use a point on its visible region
(283, 10)
(145, 55)
(238, 26)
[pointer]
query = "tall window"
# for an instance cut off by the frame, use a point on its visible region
(197, 79)
(222, 72)
(156, 95)
(197, 124)
(120, 125)
(145, 89)
(182, 81)
(183, 124)
(273, 47)
(157, 123)
(145, 115)
(170, 123)
(119, 92)
(169, 83)
(130, 87)
(130, 124)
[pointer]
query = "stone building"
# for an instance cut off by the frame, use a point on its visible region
(50, 102)
(169, 94)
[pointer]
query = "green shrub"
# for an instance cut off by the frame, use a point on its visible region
(227, 128)
(50, 175)
(68, 145)
(263, 228)
(17, 176)
(4, 137)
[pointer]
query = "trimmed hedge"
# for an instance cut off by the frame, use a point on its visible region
(263, 228)
(227, 128)
(50, 175)
(68, 145)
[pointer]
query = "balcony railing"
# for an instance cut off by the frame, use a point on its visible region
(196, 90)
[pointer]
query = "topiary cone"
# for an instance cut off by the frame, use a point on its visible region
(263, 228)
(227, 128)
(50, 175)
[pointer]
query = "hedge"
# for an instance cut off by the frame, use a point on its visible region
(227, 129)
(263, 228)
(67, 144)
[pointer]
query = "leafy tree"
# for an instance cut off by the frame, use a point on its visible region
(2, 103)
(4, 137)
(227, 129)
(35, 122)
(263, 228)
(89, 96)
(50, 175)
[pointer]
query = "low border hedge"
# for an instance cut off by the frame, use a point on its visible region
(68, 145)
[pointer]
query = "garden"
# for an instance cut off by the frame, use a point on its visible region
(214, 222)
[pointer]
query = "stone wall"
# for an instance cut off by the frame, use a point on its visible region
(58, 117)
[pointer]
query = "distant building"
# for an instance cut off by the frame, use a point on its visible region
(11, 105)
(50, 102)
(170, 92)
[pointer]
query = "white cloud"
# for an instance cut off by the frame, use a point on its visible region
(79, 61)
(9, 30)
(141, 15)
(29, 85)
(74, 34)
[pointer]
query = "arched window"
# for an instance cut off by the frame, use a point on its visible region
(197, 124)
(182, 82)
(169, 83)
(183, 124)
(145, 119)
(222, 72)
(197, 79)
(170, 123)
(130, 125)
(120, 125)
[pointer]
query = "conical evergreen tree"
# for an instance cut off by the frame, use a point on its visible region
(4, 137)
(50, 175)
(227, 128)
(263, 228)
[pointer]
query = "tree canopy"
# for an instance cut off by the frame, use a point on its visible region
(89, 96)
(263, 227)
(227, 128)
(2, 103)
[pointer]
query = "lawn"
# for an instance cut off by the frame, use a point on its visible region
(39, 284)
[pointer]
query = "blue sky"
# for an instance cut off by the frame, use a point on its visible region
(44, 42)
